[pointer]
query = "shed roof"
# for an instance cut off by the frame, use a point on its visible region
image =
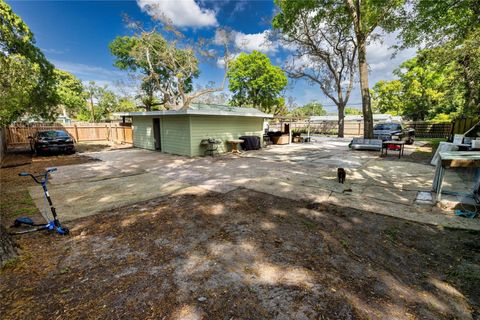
(201, 109)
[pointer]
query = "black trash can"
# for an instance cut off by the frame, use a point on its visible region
(250, 142)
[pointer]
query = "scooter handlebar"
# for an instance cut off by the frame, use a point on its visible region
(24, 174)
(51, 169)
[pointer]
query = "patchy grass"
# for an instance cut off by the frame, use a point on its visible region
(431, 142)
(15, 200)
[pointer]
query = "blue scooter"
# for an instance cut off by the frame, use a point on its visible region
(52, 225)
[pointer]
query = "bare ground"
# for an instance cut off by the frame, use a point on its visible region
(243, 255)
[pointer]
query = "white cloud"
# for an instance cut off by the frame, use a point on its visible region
(248, 42)
(255, 41)
(53, 51)
(87, 71)
(380, 60)
(182, 13)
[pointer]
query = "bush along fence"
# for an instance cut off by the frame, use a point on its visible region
(16, 135)
(423, 129)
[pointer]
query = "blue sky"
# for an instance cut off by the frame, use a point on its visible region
(74, 35)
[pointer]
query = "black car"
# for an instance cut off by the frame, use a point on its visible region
(52, 141)
(387, 131)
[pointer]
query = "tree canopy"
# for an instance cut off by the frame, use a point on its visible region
(361, 18)
(424, 89)
(70, 92)
(255, 82)
(27, 79)
(313, 108)
(163, 67)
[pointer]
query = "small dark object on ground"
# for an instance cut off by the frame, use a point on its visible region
(341, 174)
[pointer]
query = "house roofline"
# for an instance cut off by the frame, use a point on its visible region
(258, 114)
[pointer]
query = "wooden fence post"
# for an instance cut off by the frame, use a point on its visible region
(76, 132)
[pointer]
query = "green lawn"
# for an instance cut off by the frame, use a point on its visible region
(433, 142)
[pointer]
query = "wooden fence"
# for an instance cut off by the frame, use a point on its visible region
(423, 129)
(462, 125)
(115, 132)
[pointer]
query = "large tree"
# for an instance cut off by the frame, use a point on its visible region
(156, 62)
(452, 29)
(255, 82)
(70, 92)
(167, 64)
(101, 103)
(324, 53)
(387, 97)
(424, 90)
(27, 79)
(364, 16)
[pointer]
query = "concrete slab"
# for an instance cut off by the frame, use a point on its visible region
(298, 171)
(80, 199)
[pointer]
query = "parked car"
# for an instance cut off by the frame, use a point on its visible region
(387, 131)
(52, 141)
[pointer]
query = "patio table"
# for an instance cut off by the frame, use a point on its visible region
(234, 144)
(401, 144)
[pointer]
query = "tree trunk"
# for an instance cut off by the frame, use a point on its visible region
(365, 91)
(341, 120)
(93, 108)
(8, 248)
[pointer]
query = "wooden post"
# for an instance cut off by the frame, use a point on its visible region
(308, 129)
(359, 128)
(290, 131)
(76, 132)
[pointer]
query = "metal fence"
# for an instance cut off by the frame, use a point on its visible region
(116, 132)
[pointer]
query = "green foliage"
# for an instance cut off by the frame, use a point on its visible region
(434, 23)
(254, 81)
(27, 80)
(352, 111)
(165, 69)
(451, 29)
(70, 92)
(363, 17)
(428, 88)
(387, 97)
(310, 109)
(101, 103)
(425, 89)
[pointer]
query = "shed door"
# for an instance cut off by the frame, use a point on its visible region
(156, 134)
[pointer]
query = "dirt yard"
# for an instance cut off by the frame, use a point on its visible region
(236, 254)
(243, 255)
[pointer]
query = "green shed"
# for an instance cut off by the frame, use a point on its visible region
(181, 131)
